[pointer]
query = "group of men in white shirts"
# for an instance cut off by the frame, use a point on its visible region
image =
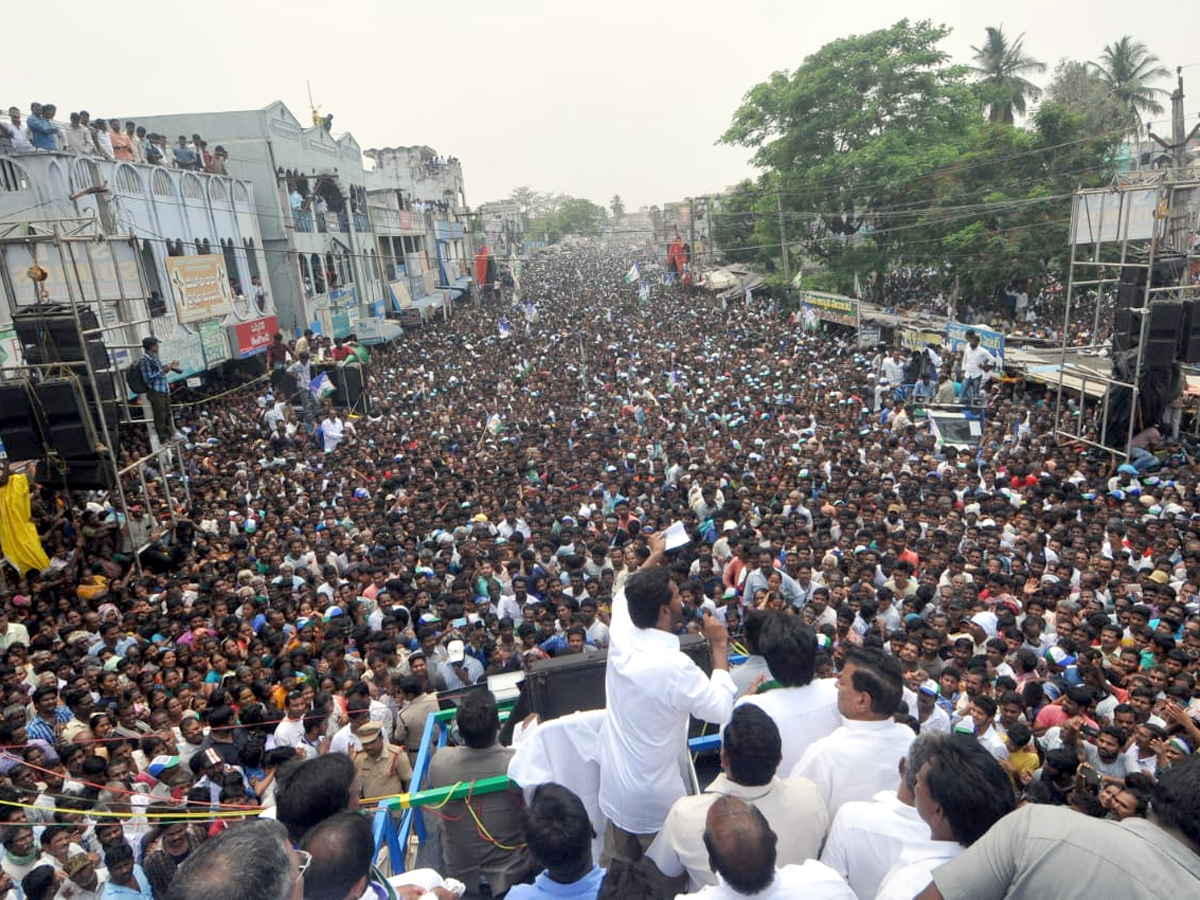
(826, 766)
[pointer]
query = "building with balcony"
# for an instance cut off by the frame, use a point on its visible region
(429, 187)
(150, 250)
(310, 193)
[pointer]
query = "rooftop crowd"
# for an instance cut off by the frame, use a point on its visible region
(101, 138)
(956, 674)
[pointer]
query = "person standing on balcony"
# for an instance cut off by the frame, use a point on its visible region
(122, 143)
(185, 156)
(154, 373)
(137, 141)
(14, 136)
(79, 137)
(102, 138)
(42, 130)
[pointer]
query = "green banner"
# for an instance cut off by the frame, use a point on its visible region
(832, 307)
(212, 342)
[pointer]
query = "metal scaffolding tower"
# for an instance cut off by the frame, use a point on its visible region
(71, 263)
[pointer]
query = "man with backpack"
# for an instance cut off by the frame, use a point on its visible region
(149, 377)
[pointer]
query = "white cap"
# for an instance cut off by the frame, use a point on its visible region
(455, 651)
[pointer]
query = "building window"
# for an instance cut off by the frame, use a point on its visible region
(318, 273)
(12, 177)
(156, 302)
(231, 267)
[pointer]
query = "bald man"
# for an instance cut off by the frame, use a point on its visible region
(741, 850)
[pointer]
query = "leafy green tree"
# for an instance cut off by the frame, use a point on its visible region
(852, 140)
(1128, 67)
(617, 207)
(1001, 65)
(1000, 215)
(733, 224)
(1079, 87)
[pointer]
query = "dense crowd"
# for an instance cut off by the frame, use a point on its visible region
(924, 639)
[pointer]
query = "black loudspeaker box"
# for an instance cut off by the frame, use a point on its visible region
(1189, 332)
(49, 334)
(19, 427)
(69, 429)
(1162, 334)
(566, 684)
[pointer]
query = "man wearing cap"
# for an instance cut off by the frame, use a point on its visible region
(154, 373)
(460, 670)
(929, 713)
(82, 881)
(382, 768)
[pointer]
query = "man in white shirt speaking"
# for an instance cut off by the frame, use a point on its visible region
(652, 688)
(861, 757)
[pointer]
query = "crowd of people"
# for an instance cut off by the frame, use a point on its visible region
(1025, 308)
(100, 138)
(939, 673)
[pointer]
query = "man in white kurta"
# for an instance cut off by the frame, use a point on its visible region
(860, 758)
(652, 689)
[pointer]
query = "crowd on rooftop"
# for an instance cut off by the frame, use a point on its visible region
(97, 137)
(974, 667)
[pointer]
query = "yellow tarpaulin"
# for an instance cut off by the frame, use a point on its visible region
(18, 536)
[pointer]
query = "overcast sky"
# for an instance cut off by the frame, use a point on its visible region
(590, 99)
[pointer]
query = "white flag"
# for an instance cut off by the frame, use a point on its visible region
(632, 275)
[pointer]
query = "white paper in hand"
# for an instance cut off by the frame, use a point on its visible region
(676, 536)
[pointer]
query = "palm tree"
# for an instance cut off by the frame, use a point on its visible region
(1002, 67)
(1127, 68)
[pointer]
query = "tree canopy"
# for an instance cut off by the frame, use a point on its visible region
(877, 148)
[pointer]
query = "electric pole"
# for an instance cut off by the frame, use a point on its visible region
(1179, 225)
(787, 266)
(1179, 140)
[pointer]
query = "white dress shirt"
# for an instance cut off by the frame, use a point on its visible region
(652, 687)
(938, 721)
(792, 807)
(812, 881)
(867, 838)
(802, 714)
(974, 361)
(856, 761)
(993, 743)
(913, 873)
